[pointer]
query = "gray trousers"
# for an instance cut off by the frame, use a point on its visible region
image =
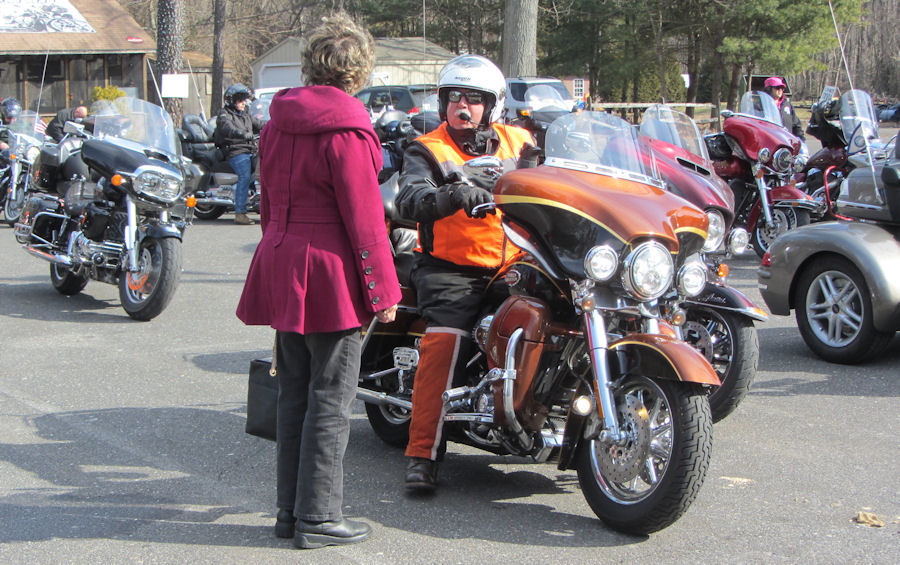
(317, 376)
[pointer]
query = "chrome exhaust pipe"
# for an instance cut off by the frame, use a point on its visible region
(215, 202)
(509, 380)
(51, 257)
(381, 398)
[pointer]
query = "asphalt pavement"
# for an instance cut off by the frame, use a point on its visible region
(123, 441)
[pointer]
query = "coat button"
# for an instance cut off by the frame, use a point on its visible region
(372, 284)
(375, 300)
(368, 270)
(364, 255)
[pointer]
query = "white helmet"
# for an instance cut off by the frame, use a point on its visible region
(476, 73)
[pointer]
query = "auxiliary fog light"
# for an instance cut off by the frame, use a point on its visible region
(692, 277)
(678, 317)
(738, 240)
(583, 405)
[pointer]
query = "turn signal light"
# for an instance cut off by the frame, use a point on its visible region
(582, 405)
(723, 271)
(191, 201)
(117, 180)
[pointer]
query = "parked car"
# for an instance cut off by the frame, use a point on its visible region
(262, 98)
(406, 98)
(517, 104)
(840, 277)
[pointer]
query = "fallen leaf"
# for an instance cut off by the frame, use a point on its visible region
(868, 519)
(737, 482)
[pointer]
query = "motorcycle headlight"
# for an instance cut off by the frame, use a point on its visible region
(800, 162)
(738, 240)
(763, 155)
(601, 263)
(715, 233)
(157, 184)
(32, 153)
(692, 277)
(781, 162)
(649, 271)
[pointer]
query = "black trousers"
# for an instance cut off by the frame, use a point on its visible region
(317, 375)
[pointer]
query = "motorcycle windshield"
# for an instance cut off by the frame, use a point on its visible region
(26, 124)
(599, 143)
(546, 103)
(136, 124)
(858, 121)
(762, 106)
(676, 128)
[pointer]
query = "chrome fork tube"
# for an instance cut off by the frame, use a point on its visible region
(763, 194)
(131, 235)
(595, 331)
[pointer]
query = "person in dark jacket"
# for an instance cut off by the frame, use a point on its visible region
(56, 125)
(775, 87)
(235, 136)
(10, 108)
(323, 268)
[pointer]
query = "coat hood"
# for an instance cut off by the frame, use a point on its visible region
(317, 109)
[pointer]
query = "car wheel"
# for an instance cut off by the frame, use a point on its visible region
(834, 312)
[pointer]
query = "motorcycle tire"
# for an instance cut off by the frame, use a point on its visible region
(208, 211)
(731, 345)
(785, 219)
(146, 293)
(829, 333)
(65, 281)
(390, 424)
(646, 484)
(12, 207)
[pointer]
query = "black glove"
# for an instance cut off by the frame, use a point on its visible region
(466, 197)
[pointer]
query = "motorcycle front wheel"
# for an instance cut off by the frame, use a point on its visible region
(13, 206)
(65, 281)
(208, 211)
(730, 344)
(146, 292)
(646, 483)
(783, 219)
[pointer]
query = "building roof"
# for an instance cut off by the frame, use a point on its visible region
(80, 27)
(406, 49)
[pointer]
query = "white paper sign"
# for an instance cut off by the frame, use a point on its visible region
(175, 86)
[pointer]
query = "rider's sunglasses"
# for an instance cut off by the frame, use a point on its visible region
(471, 97)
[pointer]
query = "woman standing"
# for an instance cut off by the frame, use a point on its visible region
(322, 269)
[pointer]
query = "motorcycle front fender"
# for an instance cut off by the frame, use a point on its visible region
(722, 297)
(653, 355)
(160, 231)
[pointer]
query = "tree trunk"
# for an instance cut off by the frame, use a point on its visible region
(520, 38)
(218, 62)
(660, 57)
(733, 85)
(169, 42)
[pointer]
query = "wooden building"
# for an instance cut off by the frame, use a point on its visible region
(69, 47)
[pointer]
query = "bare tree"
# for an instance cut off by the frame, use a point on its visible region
(520, 37)
(169, 44)
(218, 62)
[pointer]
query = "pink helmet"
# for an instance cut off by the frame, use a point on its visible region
(775, 81)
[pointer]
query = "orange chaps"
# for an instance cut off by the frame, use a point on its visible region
(439, 355)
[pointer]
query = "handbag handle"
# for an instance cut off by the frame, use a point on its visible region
(272, 370)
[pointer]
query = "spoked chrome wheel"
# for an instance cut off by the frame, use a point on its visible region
(645, 483)
(783, 219)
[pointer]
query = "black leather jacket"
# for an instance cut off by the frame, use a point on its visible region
(235, 132)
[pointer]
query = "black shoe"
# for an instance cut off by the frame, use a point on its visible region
(310, 535)
(284, 523)
(421, 474)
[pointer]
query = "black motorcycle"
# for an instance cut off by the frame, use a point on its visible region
(210, 178)
(113, 210)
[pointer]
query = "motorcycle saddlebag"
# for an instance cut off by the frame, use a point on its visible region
(42, 225)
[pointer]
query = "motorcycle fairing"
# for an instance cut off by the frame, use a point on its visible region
(752, 134)
(564, 213)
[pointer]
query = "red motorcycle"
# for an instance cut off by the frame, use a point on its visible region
(756, 155)
(720, 321)
(574, 360)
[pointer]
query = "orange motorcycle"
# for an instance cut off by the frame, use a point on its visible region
(575, 362)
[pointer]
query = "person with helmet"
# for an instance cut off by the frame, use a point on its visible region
(775, 87)
(9, 111)
(235, 136)
(461, 248)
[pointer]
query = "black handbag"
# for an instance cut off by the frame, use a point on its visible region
(262, 398)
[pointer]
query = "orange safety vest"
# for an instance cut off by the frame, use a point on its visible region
(459, 239)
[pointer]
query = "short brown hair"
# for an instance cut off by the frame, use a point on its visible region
(339, 53)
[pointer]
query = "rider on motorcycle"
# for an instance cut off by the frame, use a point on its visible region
(460, 250)
(774, 87)
(235, 136)
(9, 111)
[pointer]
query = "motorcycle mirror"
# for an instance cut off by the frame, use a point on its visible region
(483, 171)
(72, 127)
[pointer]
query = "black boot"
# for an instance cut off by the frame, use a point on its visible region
(421, 474)
(310, 535)
(284, 523)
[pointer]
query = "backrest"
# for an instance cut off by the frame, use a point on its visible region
(197, 129)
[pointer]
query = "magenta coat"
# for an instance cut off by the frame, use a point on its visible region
(324, 263)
